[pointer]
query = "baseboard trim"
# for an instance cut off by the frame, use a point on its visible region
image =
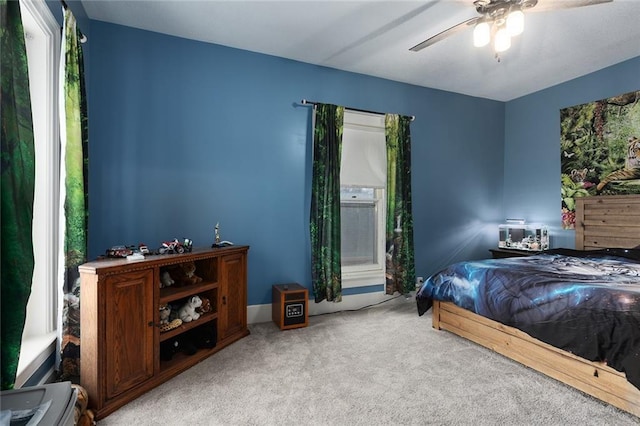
(262, 313)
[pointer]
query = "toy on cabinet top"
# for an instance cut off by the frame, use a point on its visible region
(120, 251)
(216, 241)
(124, 251)
(175, 246)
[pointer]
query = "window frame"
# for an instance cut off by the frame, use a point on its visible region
(40, 331)
(371, 274)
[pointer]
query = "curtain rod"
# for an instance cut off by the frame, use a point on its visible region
(306, 102)
(83, 38)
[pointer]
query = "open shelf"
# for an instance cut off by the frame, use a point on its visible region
(209, 316)
(170, 294)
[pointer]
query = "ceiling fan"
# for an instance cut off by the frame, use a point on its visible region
(500, 20)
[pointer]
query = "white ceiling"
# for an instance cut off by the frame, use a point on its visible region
(374, 37)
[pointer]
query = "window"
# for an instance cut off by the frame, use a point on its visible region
(362, 195)
(42, 35)
(359, 210)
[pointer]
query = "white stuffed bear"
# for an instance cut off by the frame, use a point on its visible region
(166, 280)
(187, 312)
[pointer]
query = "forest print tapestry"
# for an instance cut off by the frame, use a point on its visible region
(599, 150)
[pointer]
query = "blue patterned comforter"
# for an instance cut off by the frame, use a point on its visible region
(587, 303)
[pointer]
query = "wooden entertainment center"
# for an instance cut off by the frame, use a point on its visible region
(120, 333)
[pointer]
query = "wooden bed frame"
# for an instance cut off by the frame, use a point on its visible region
(601, 222)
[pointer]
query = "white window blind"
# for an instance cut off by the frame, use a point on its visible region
(364, 154)
(363, 175)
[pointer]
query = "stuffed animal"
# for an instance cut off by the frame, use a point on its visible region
(168, 348)
(203, 337)
(184, 274)
(205, 307)
(175, 323)
(169, 318)
(166, 280)
(165, 312)
(171, 347)
(187, 312)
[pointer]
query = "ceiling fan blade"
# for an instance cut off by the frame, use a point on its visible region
(564, 4)
(444, 34)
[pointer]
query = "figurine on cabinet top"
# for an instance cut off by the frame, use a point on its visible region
(217, 241)
(216, 231)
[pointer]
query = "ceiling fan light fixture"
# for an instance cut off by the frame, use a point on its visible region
(500, 20)
(502, 40)
(481, 34)
(515, 22)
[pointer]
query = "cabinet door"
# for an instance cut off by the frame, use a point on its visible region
(232, 303)
(129, 332)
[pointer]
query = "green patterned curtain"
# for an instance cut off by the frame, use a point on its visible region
(325, 204)
(73, 191)
(400, 268)
(18, 181)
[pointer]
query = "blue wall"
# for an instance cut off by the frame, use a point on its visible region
(185, 134)
(532, 143)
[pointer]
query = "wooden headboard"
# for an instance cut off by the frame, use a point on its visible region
(607, 221)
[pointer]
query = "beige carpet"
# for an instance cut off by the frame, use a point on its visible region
(378, 366)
